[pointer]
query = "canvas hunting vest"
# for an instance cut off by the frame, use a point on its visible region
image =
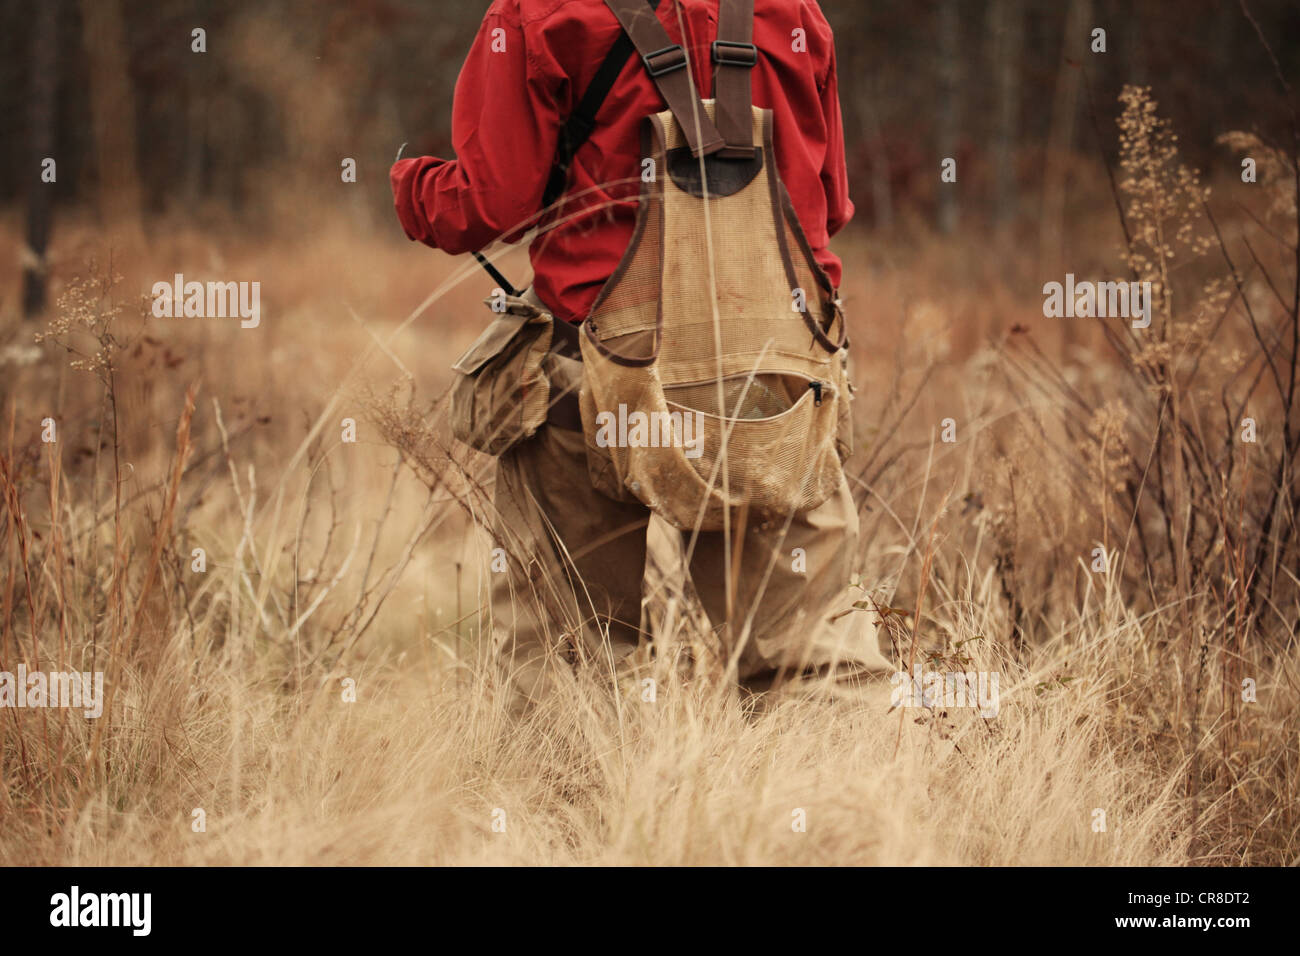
(715, 356)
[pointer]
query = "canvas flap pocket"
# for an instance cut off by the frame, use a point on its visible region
(498, 335)
(500, 394)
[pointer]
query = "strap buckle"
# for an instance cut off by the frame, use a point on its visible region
(673, 57)
(731, 53)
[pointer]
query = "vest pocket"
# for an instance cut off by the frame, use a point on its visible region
(667, 445)
(777, 437)
(501, 390)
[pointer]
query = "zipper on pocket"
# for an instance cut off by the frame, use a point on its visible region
(817, 392)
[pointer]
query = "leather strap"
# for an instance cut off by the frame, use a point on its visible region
(667, 63)
(734, 58)
(577, 129)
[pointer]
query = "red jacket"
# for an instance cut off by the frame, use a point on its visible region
(529, 66)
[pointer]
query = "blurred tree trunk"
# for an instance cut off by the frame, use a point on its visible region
(200, 83)
(882, 201)
(42, 120)
(1135, 48)
(1007, 24)
(1224, 29)
(196, 117)
(949, 50)
(112, 109)
(1060, 144)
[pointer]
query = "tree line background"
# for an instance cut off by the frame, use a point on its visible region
(143, 128)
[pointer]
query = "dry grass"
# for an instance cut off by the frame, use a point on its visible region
(328, 561)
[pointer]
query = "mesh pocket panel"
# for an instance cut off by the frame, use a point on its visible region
(632, 304)
(761, 396)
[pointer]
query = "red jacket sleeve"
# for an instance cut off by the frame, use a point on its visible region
(505, 124)
(834, 175)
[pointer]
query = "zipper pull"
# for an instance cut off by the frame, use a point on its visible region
(817, 392)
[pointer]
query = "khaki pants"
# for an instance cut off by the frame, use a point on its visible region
(577, 559)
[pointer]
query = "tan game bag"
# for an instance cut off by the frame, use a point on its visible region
(715, 356)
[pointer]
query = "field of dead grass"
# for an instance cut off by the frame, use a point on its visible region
(317, 693)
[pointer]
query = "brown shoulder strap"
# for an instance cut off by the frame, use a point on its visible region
(667, 63)
(734, 57)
